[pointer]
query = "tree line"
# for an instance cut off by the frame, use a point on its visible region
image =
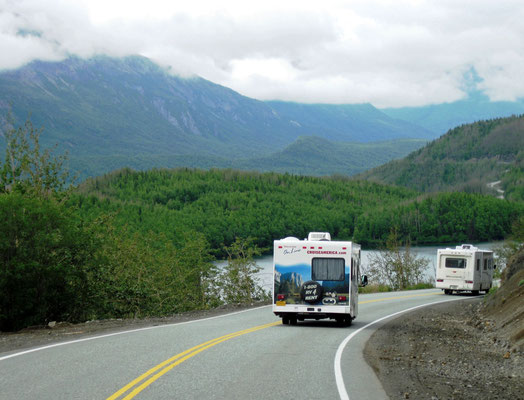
(225, 204)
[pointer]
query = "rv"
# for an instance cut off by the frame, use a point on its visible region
(465, 268)
(316, 278)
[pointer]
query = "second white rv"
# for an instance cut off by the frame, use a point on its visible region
(465, 268)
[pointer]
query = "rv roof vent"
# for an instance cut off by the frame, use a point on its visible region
(319, 236)
(290, 239)
(465, 247)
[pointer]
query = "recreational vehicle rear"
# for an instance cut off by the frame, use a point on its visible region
(316, 278)
(464, 268)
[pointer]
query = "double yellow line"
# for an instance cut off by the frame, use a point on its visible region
(136, 386)
(156, 372)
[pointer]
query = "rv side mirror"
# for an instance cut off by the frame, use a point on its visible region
(364, 281)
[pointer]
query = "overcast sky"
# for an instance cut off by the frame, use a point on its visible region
(390, 53)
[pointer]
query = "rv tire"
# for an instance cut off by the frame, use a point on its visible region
(344, 321)
(285, 320)
(447, 291)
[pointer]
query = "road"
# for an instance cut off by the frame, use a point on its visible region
(244, 355)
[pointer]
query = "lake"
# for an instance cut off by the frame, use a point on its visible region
(430, 252)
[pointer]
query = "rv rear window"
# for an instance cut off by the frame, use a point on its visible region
(455, 263)
(327, 269)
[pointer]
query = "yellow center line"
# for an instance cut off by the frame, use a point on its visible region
(178, 359)
(152, 375)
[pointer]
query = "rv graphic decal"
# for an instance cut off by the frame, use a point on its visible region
(295, 282)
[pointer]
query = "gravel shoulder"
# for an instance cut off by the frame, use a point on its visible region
(63, 332)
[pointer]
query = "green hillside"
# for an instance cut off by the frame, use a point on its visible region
(225, 204)
(308, 155)
(471, 158)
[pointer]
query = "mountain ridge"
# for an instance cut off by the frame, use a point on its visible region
(109, 113)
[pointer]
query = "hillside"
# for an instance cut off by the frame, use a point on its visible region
(130, 107)
(467, 158)
(347, 123)
(311, 155)
(110, 113)
(224, 204)
(308, 155)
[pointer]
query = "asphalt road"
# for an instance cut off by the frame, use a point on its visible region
(245, 355)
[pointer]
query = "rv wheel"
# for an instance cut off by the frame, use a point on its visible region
(311, 292)
(285, 320)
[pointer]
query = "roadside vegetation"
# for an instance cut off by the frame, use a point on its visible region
(395, 267)
(56, 264)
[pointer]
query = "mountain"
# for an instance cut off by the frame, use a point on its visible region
(109, 113)
(440, 118)
(308, 155)
(479, 157)
(346, 123)
(105, 106)
(312, 155)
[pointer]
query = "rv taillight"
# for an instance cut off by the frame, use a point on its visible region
(469, 281)
(281, 296)
(342, 298)
(440, 280)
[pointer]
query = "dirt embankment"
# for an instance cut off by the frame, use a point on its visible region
(472, 348)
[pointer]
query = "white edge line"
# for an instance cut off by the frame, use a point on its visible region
(124, 332)
(338, 356)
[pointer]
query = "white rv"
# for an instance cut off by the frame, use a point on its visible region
(316, 278)
(465, 268)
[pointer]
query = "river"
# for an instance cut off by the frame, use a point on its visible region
(265, 276)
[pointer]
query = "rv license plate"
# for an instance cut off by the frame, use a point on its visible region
(281, 303)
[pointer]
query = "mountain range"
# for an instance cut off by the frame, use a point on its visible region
(439, 118)
(108, 113)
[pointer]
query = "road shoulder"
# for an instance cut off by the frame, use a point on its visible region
(446, 351)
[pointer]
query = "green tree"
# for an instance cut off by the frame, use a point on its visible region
(238, 281)
(45, 255)
(45, 251)
(27, 167)
(396, 265)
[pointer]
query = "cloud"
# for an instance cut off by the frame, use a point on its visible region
(386, 52)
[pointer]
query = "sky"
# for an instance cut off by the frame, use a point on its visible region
(390, 53)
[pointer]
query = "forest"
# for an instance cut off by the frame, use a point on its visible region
(226, 204)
